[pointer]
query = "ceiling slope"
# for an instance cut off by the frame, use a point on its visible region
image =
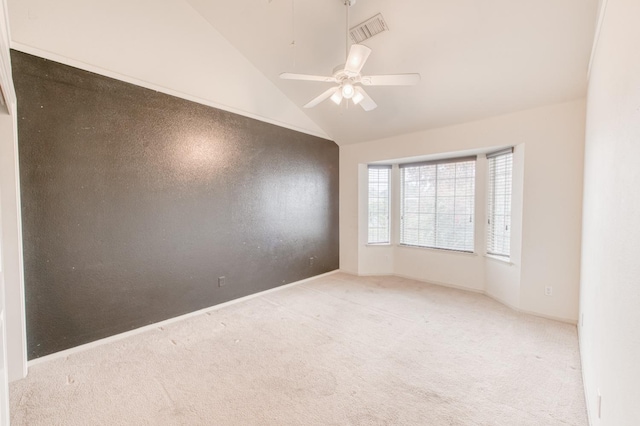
(164, 45)
(477, 59)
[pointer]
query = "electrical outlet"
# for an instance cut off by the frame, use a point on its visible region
(311, 261)
(222, 281)
(548, 291)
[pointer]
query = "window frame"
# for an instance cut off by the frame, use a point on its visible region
(470, 198)
(492, 193)
(388, 168)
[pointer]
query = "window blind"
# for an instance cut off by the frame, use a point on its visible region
(379, 204)
(500, 186)
(437, 204)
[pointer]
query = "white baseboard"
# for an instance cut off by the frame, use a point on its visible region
(500, 300)
(475, 290)
(584, 381)
(166, 322)
(551, 317)
(169, 321)
(381, 274)
(441, 284)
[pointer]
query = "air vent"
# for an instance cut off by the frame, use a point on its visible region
(368, 29)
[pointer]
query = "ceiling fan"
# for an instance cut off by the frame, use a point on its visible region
(348, 78)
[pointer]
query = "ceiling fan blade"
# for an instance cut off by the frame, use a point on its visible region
(324, 96)
(357, 57)
(307, 77)
(366, 102)
(391, 80)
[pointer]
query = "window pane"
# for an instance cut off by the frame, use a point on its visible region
(437, 205)
(379, 180)
(499, 223)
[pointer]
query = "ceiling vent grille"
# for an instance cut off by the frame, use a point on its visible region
(368, 29)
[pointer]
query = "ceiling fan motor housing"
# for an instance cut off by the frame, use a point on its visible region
(339, 73)
(349, 79)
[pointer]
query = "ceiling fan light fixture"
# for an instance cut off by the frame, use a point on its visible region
(345, 76)
(337, 97)
(357, 98)
(348, 90)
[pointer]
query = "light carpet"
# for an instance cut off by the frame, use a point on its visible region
(338, 350)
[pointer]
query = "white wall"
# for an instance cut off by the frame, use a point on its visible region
(11, 248)
(380, 258)
(610, 287)
(10, 223)
(552, 208)
(502, 281)
(550, 143)
(463, 270)
(161, 44)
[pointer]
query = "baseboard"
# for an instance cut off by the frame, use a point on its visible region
(478, 291)
(551, 317)
(169, 321)
(166, 322)
(584, 381)
(381, 274)
(441, 284)
(499, 300)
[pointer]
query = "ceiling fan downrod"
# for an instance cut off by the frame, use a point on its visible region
(347, 78)
(347, 4)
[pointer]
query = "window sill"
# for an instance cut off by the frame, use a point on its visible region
(437, 250)
(500, 259)
(378, 245)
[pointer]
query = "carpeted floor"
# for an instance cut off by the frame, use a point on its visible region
(339, 350)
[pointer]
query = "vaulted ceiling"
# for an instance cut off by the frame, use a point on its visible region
(477, 58)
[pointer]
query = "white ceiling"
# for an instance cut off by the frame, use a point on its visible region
(477, 58)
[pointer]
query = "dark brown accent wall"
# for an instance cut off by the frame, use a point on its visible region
(134, 202)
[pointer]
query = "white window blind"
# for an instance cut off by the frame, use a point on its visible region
(437, 204)
(499, 220)
(379, 204)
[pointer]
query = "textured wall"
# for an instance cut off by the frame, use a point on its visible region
(135, 202)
